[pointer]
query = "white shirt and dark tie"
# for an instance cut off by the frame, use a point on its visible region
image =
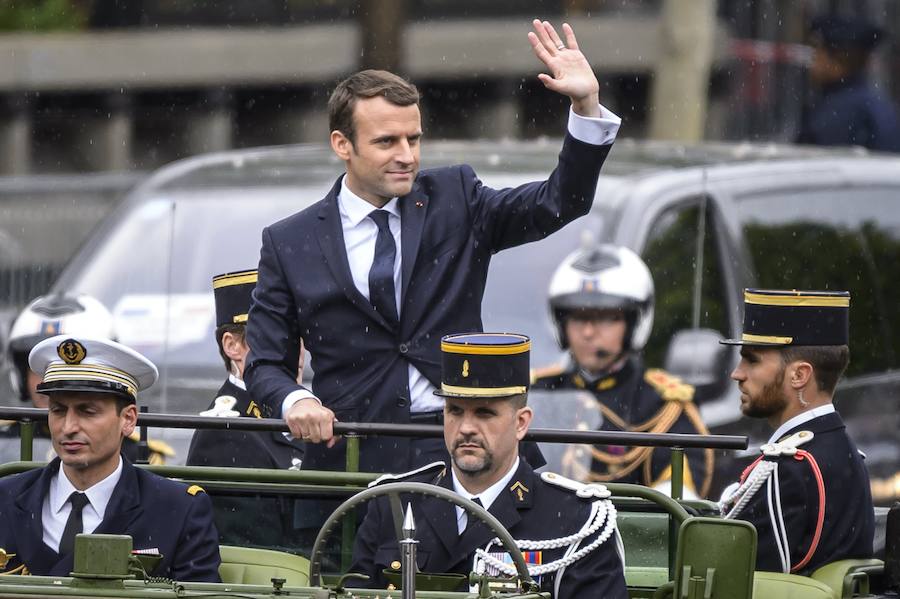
(361, 233)
(58, 505)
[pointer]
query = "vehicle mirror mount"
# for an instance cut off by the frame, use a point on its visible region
(697, 357)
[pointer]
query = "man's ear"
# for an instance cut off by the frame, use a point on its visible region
(341, 145)
(523, 421)
(129, 417)
(233, 346)
(800, 374)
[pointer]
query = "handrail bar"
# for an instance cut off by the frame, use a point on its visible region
(546, 435)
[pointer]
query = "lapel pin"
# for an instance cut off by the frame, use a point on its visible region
(419, 203)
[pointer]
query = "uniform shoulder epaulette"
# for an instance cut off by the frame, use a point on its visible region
(583, 490)
(223, 407)
(543, 372)
(434, 467)
(195, 489)
(669, 387)
(787, 446)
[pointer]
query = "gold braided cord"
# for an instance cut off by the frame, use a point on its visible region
(661, 422)
(709, 456)
(21, 570)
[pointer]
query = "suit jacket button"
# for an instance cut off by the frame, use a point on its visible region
(403, 348)
(401, 402)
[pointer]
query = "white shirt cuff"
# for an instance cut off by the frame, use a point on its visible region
(598, 131)
(295, 396)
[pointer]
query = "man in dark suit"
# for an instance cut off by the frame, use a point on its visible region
(808, 493)
(245, 520)
(485, 382)
(373, 275)
(92, 385)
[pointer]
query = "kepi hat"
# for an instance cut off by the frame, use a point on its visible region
(484, 365)
(233, 292)
(82, 364)
(781, 318)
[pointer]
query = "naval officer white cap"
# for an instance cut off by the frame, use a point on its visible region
(84, 364)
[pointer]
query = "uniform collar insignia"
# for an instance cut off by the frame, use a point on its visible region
(519, 489)
(253, 410)
(605, 383)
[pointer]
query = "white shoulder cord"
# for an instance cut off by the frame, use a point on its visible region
(778, 529)
(744, 493)
(603, 512)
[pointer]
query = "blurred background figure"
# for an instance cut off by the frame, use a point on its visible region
(52, 315)
(846, 108)
(601, 301)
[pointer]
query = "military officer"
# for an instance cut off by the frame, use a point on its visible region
(57, 315)
(92, 387)
(601, 301)
(807, 494)
(242, 520)
(246, 449)
(484, 385)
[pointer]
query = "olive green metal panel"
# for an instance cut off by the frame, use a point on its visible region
(715, 559)
(769, 585)
(848, 575)
(246, 565)
(647, 578)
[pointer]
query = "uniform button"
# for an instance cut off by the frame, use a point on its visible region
(403, 348)
(401, 402)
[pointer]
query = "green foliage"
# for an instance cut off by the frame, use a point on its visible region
(806, 255)
(42, 15)
(670, 255)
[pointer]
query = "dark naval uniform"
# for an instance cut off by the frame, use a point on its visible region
(635, 399)
(530, 508)
(818, 528)
(158, 513)
(262, 521)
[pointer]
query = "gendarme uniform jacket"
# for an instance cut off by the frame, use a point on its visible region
(531, 508)
(643, 400)
(158, 513)
(249, 519)
(838, 511)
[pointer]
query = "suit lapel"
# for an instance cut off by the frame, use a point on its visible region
(441, 516)
(28, 525)
(413, 208)
(124, 505)
(334, 252)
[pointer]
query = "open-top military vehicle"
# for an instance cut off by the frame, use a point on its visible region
(673, 547)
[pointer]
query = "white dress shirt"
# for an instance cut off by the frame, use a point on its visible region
(486, 497)
(57, 508)
(801, 419)
(360, 233)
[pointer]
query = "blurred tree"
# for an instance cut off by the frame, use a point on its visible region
(382, 24)
(42, 15)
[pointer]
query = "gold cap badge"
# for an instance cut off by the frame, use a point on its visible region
(71, 351)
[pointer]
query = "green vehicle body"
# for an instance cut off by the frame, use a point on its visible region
(674, 548)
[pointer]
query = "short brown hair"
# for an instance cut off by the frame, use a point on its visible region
(366, 84)
(238, 330)
(828, 362)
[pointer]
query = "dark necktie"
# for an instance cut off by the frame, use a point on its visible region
(381, 275)
(470, 519)
(74, 525)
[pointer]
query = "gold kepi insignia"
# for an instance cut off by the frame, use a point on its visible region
(71, 351)
(519, 489)
(465, 370)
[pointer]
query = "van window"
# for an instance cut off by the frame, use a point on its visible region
(671, 255)
(838, 239)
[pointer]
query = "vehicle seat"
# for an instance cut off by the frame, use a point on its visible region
(246, 565)
(767, 585)
(843, 575)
